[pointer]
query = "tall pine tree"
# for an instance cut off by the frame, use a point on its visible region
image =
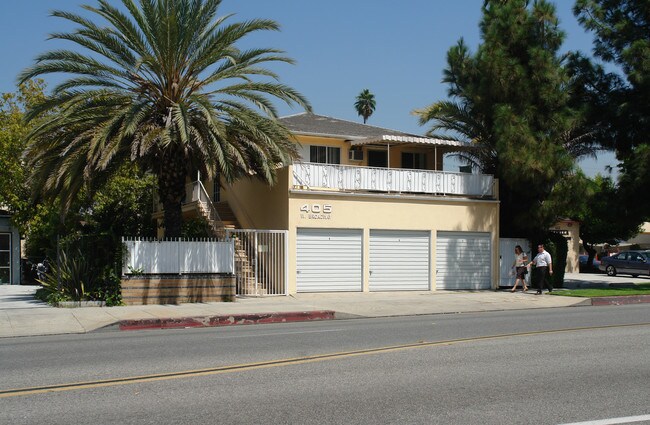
(509, 100)
(618, 101)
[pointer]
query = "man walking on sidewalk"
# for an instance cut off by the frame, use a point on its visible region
(543, 266)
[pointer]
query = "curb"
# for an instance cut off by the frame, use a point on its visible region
(621, 300)
(226, 320)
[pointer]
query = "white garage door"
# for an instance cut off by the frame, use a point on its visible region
(463, 260)
(328, 260)
(399, 260)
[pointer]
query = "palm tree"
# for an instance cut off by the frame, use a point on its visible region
(162, 84)
(365, 104)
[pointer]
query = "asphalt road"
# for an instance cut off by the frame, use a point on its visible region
(552, 366)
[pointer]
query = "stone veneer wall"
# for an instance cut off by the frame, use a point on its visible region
(176, 289)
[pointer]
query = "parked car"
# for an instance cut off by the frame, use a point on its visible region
(628, 262)
(582, 260)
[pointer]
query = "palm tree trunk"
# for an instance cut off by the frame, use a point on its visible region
(171, 186)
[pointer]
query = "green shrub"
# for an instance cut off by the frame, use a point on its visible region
(196, 228)
(557, 246)
(71, 277)
(109, 289)
(560, 249)
(77, 279)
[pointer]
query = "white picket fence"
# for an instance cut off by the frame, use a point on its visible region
(146, 256)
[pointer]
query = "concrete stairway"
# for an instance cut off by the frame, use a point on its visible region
(227, 216)
(244, 269)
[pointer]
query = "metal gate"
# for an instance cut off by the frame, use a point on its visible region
(261, 261)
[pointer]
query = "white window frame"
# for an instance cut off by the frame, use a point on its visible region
(329, 152)
(8, 251)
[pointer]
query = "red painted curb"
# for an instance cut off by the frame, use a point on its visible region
(622, 300)
(226, 320)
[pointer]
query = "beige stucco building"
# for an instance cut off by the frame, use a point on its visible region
(370, 209)
(570, 229)
(643, 238)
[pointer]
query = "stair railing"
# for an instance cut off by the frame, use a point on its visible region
(204, 200)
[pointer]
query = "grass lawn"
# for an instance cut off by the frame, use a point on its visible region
(638, 289)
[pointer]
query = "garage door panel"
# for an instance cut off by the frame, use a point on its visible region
(328, 260)
(463, 260)
(399, 260)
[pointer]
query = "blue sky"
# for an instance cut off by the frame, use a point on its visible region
(395, 49)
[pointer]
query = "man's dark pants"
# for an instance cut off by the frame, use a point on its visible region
(542, 275)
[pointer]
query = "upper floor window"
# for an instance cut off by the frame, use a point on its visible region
(417, 161)
(325, 154)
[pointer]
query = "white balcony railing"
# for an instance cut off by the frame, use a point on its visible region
(349, 178)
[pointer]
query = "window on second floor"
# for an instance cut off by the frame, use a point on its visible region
(417, 161)
(325, 154)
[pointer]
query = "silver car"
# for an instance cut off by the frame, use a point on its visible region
(628, 262)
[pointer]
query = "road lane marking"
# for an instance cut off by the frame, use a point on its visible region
(130, 380)
(612, 421)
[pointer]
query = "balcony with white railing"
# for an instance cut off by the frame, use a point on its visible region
(312, 176)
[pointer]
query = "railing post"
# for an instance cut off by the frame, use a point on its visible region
(178, 254)
(285, 235)
(255, 271)
(232, 258)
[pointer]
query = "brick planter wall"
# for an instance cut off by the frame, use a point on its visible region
(176, 289)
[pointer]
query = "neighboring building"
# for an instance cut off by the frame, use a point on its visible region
(9, 251)
(570, 229)
(643, 238)
(370, 209)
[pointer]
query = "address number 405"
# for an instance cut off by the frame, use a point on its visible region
(316, 208)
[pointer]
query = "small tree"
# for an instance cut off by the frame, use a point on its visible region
(14, 189)
(605, 218)
(365, 104)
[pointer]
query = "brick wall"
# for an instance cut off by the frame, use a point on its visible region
(176, 289)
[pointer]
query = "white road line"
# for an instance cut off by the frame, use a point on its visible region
(626, 420)
(276, 333)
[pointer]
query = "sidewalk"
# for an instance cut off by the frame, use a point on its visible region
(21, 315)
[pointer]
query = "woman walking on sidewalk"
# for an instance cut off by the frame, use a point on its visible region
(520, 268)
(543, 266)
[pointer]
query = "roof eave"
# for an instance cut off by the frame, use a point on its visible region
(395, 140)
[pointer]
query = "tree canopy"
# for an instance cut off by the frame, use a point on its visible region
(14, 191)
(509, 100)
(613, 89)
(621, 38)
(603, 218)
(163, 84)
